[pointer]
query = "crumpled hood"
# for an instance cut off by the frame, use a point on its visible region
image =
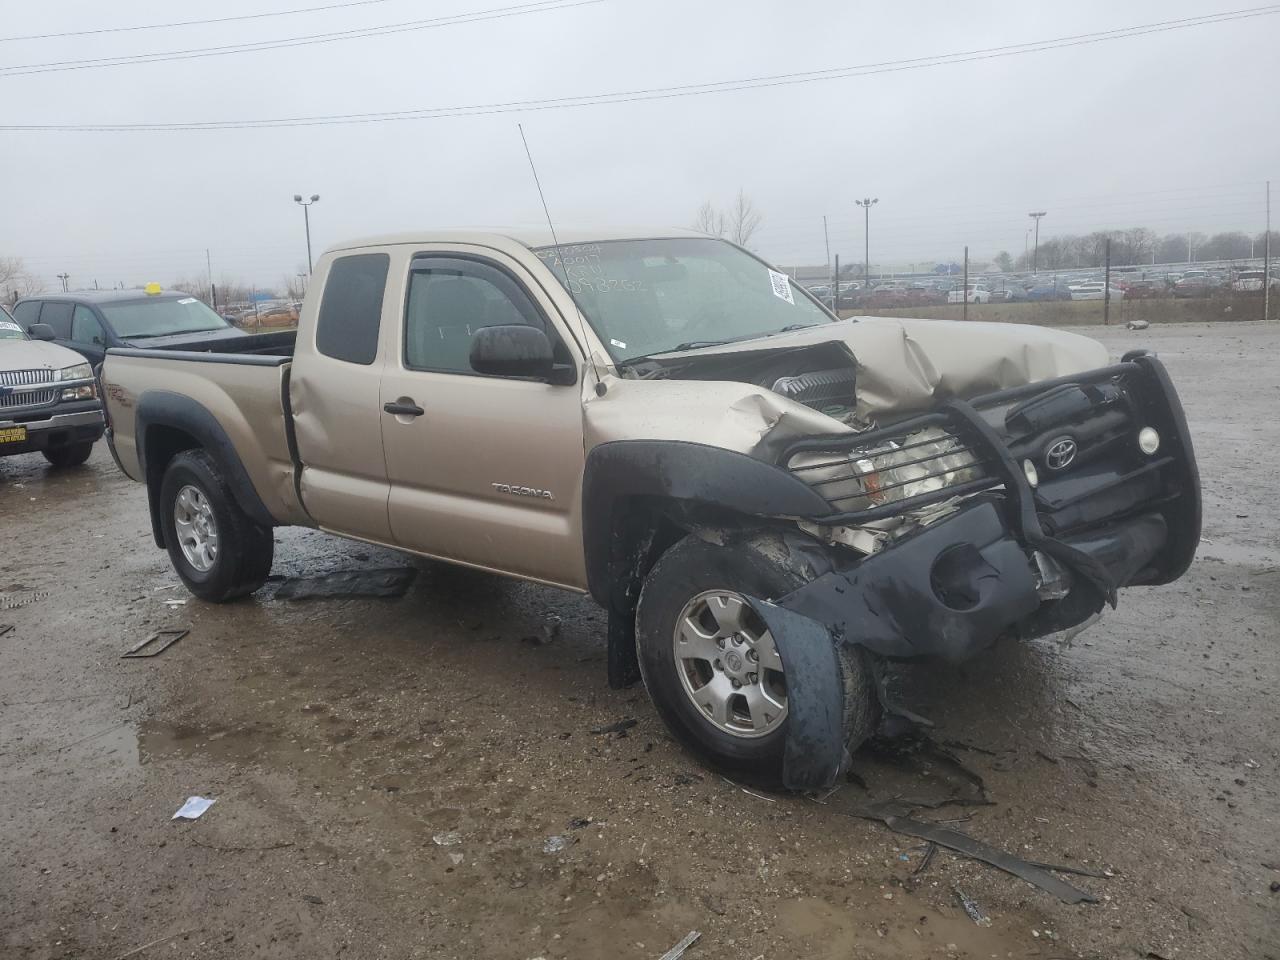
(902, 367)
(36, 355)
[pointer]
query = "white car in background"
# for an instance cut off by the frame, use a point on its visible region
(1094, 290)
(1250, 281)
(973, 293)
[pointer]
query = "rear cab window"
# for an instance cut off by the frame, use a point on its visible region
(351, 308)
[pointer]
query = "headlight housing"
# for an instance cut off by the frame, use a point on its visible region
(81, 371)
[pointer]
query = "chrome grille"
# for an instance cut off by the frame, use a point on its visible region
(23, 378)
(33, 398)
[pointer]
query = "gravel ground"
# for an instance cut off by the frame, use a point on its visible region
(388, 772)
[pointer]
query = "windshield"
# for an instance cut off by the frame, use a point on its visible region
(8, 329)
(161, 318)
(654, 296)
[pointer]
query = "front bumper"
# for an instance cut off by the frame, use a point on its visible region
(957, 584)
(60, 426)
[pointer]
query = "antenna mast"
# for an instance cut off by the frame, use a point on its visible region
(564, 267)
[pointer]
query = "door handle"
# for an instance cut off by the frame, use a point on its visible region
(403, 408)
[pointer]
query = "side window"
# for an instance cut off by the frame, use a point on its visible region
(27, 313)
(449, 300)
(58, 316)
(351, 311)
(85, 327)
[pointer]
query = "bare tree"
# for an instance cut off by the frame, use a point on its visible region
(16, 280)
(710, 221)
(744, 219)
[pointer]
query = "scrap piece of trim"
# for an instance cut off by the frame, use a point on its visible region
(163, 640)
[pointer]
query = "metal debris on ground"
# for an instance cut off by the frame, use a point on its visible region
(556, 844)
(162, 640)
(1140, 324)
(176, 602)
(5, 628)
(578, 823)
(387, 582)
(620, 727)
(1034, 873)
(311, 898)
(449, 839)
(971, 909)
(929, 854)
(676, 952)
(193, 809)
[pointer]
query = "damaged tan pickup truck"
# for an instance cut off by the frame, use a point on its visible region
(770, 502)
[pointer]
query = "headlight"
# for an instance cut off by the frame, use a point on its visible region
(923, 462)
(81, 371)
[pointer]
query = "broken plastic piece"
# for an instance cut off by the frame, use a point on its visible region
(389, 582)
(813, 754)
(193, 809)
(556, 844)
(1032, 873)
(162, 640)
(447, 839)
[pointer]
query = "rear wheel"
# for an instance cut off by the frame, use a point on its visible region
(217, 550)
(71, 455)
(711, 666)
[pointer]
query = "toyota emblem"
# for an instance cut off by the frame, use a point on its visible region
(1060, 454)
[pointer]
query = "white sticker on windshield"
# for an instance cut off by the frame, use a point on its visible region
(187, 300)
(781, 286)
(618, 343)
(6, 325)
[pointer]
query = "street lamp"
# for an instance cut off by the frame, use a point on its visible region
(866, 204)
(306, 218)
(1035, 257)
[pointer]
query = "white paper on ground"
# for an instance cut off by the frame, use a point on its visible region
(193, 808)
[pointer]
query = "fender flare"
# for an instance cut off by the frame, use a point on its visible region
(680, 470)
(163, 408)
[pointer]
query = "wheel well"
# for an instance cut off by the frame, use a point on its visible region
(642, 528)
(160, 445)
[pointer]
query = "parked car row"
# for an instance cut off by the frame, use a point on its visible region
(1083, 285)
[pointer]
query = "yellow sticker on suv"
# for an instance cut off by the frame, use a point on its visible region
(13, 434)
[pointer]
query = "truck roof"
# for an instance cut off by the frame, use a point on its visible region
(108, 296)
(526, 236)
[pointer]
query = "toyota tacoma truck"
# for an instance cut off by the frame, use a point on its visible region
(771, 502)
(48, 399)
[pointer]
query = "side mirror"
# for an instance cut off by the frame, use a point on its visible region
(513, 350)
(42, 331)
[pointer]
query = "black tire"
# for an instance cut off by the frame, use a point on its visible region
(245, 549)
(691, 567)
(72, 455)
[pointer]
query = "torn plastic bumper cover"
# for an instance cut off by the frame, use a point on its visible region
(946, 592)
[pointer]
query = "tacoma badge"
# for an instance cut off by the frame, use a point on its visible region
(518, 491)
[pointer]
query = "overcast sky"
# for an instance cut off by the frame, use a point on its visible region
(1175, 131)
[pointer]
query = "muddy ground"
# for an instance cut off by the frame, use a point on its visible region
(349, 743)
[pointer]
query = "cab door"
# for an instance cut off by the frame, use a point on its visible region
(483, 470)
(334, 398)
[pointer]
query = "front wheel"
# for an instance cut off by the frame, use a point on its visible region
(71, 455)
(217, 550)
(710, 664)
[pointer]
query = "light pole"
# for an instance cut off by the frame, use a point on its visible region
(1035, 257)
(306, 218)
(866, 204)
(64, 277)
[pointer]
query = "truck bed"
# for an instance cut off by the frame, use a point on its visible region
(244, 387)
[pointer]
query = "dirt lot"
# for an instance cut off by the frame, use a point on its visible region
(350, 742)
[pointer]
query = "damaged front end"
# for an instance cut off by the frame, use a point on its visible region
(1017, 513)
